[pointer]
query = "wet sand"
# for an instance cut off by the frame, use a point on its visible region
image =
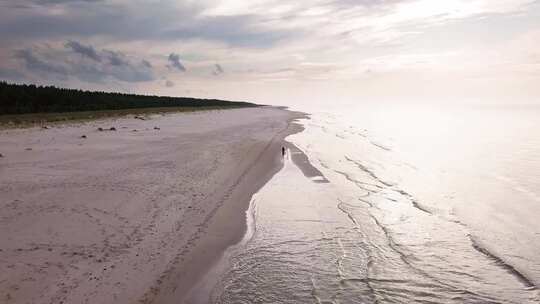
(213, 282)
(338, 224)
(136, 215)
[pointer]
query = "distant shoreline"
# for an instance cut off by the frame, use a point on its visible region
(23, 105)
(44, 119)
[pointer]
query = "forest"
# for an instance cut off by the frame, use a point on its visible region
(23, 99)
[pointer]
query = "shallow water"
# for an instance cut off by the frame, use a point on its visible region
(421, 205)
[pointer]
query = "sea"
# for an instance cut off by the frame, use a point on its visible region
(409, 204)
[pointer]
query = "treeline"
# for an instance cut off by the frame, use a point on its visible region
(21, 99)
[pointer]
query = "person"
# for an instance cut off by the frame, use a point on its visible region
(282, 151)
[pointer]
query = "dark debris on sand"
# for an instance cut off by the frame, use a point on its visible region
(100, 129)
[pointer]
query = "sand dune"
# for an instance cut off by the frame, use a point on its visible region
(134, 215)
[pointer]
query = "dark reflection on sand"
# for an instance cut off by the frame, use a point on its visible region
(301, 160)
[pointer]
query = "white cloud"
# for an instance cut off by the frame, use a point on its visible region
(283, 42)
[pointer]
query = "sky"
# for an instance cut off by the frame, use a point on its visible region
(279, 52)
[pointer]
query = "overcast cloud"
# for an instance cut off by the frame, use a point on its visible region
(175, 64)
(268, 46)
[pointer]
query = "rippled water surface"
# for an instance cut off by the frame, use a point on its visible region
(413, 205)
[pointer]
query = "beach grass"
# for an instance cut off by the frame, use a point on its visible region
(42, 119)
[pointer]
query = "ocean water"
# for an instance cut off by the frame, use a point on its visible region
(414, 204)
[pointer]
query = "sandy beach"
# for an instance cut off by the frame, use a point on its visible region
(132, 215)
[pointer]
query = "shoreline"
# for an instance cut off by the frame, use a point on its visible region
(233, 219)
(124, 216)
(200, 293)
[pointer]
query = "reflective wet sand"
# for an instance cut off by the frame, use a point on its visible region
(360, 233)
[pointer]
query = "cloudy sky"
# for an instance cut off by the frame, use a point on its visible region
(278, 51)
